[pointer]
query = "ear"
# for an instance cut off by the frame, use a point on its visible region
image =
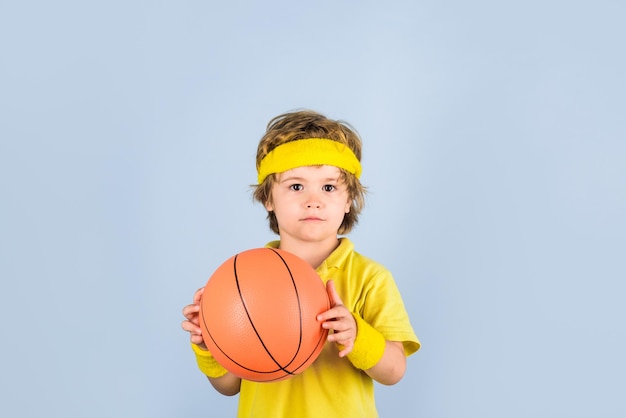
(269, 206)
(348, 206)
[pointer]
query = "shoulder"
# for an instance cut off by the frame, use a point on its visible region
(368, 277)
(364, 264)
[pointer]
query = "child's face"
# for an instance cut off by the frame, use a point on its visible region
(309, 202)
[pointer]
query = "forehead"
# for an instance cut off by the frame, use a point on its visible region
(312, 172)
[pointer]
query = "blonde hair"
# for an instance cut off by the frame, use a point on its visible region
(309, 124)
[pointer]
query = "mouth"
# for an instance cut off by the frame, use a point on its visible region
(311, 219)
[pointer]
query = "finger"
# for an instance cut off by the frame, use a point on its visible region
(196, 337)
(191, 311)
(197, 340)
(346, 350)
(335, 300)
(331, 319)
(332, 316)
(344, 343)
(341, 332)
(191, 328)
(198, 295)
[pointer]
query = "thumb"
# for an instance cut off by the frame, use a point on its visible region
(332, 294)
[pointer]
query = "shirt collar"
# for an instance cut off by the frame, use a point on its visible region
(334, 260)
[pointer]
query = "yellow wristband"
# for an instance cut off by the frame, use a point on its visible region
(207, 363)
(369, 345)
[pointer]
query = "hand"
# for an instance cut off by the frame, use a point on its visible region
(340, 321)
(192, 323)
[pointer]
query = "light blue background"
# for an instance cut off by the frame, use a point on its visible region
(494, 151)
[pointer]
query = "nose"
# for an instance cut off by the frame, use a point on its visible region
(313, 201)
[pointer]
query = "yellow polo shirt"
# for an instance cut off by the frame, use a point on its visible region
(331, 386)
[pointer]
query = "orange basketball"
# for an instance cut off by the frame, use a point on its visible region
(258, 314)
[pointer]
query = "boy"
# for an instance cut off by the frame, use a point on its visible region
(308, 181)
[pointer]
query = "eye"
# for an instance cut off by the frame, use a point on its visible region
(296, 187)
(328, 188)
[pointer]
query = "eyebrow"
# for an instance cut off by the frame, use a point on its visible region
(302, 179)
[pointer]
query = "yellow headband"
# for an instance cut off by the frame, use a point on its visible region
(311, 151)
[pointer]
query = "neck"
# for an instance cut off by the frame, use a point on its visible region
(313, 252)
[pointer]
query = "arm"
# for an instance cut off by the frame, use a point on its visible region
(391, 367)
(227, 384)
